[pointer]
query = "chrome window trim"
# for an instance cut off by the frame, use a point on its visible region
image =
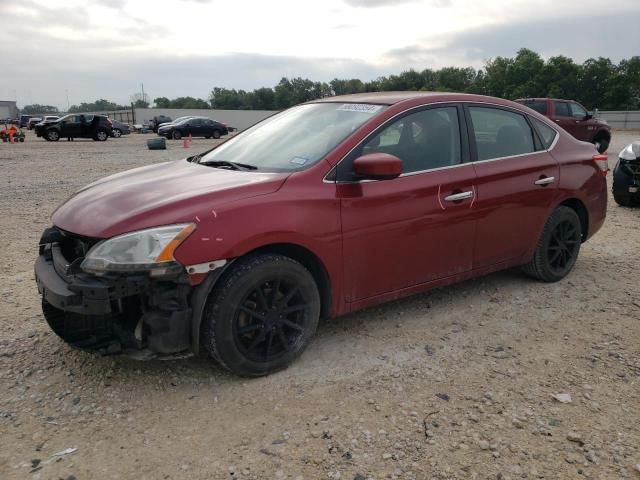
(507, 107)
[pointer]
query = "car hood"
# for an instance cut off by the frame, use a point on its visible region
(162, 194)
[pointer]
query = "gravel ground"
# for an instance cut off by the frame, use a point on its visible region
(456, 383)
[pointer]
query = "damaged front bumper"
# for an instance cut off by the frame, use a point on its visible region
(126, 313)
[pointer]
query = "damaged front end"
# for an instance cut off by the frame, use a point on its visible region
(112, 308)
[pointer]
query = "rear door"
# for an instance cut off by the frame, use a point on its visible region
(420, 226)
(197, 127)
(517, 183)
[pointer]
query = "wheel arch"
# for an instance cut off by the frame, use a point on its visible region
(602, 133)
(583, 214)
(297, 252)
(311, 262)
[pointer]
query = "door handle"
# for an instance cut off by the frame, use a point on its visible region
(545, 180)
(458, 196)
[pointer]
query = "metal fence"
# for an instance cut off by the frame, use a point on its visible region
(628, 120)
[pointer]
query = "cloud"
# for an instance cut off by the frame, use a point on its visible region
(115, 4)
(393, 3)
(613, 35)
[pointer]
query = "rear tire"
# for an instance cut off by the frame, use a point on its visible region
(101, 136)
(117, 133)
(262, 315)
(53, 135)
(558, 247)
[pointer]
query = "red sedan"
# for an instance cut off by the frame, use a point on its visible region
(323, 209)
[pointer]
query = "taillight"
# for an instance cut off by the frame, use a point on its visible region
(602, 161)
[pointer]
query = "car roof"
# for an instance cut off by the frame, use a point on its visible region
(543, 99)
(392, 98)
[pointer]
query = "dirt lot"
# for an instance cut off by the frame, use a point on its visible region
(456, 383)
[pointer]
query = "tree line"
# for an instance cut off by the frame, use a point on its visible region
(596, 83)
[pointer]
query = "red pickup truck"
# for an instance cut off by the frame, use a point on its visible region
(574, 118)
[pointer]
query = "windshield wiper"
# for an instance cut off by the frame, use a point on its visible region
(225, 163)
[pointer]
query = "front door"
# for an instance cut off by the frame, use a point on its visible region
(564, 116)
(71, 127)
(415, 228)
(516, 186)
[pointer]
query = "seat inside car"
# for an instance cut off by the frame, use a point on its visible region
(511, 140)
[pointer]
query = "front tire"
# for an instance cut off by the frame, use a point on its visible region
(216, 134)
(558, 247)
(117, 133)
(622, 200)
(602, 144)
(176, 135)
(262, 315)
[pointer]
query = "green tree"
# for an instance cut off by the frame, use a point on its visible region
(162, 102)
(37, 108)
(559, 77)
(594, 82)
(101, 105)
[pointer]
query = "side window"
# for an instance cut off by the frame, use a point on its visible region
(547, 134)
(423, 140)
(500, 133)
(577, 111)
(561, 109)
(196, 122)
(539, 106)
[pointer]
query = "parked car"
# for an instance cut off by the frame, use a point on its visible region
(47, 119)
(323, 209)
(97, 127)
(158, 120)
(194, 126)
(574, 118)
(626, 176)
(24, 120)
(33, 121)
(119, 128)
(177, 120)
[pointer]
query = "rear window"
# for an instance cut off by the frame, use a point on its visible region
(546, 133)
(500, 133)
(539, 106)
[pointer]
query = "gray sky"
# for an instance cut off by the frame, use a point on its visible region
(105, 48)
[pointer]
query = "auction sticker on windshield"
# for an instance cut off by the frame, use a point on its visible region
(359, 107)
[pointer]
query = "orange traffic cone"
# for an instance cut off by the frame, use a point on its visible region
(185, 143)
(11, 139)
(190, 138)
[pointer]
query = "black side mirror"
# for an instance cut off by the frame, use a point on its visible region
(588, 116)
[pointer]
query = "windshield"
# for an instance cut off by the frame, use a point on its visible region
(181, 119)
(295, 138)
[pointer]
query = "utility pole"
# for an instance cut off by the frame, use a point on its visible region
(142, 86)
(68, 105)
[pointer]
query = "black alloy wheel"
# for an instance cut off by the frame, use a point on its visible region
(558, 247)
(270, 320)
(261, 315)
(563, 245)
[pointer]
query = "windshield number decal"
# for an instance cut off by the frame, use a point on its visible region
(359, 107)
